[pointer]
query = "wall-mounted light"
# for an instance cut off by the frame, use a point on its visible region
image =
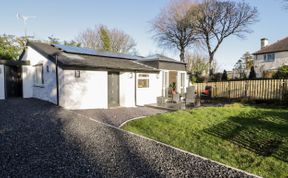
(77, 73)
(130, 75)
(157, 76)
(0, 70)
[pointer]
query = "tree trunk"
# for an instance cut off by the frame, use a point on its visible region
(182, 54)
(211, 58)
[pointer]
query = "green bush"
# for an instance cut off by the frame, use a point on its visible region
(282, 73)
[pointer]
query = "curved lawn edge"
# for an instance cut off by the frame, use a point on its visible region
(161, 143)
(157, 131)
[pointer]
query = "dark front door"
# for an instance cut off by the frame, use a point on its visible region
(113, 89)
(13, 81)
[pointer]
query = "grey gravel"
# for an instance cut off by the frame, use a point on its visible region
(118, 116)
(38, 139)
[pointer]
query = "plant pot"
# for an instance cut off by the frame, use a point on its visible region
(174, 92)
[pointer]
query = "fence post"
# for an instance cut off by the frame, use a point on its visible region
(285, 89)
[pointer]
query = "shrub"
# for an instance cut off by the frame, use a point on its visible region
(252, 74)
(224, 76)
(282, 73)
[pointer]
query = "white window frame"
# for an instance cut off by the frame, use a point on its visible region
(269, 57)
(143, 77)
(182, 82)
(38, 75)
(165, 83)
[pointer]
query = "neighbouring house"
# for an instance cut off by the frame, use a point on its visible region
(270, 57)
(81, 78)
(11, 78)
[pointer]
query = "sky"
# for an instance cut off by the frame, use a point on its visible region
(65, 19)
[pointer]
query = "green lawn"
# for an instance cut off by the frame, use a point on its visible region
(250, 138)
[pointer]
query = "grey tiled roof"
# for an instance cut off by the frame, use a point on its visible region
(279, 46)
(100, 62)
(159, 57)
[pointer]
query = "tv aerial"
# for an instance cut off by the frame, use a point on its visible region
(24, 19)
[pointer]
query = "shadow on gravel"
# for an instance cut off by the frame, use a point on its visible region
(263, 132)
(38, 139)
(134, 161)
(32, 143)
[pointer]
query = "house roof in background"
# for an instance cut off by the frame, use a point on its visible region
(279, 46)
(159, 57)
(69, 60)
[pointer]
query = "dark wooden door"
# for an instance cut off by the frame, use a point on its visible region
(113, 89)
(13, 81)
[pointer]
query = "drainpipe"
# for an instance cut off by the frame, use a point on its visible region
(135, 78)
(57, 80)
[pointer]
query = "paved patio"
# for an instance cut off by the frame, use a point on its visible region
(38, 139)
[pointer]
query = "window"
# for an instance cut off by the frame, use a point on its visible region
(182, 82)
(38, 77)
(165, 84)
(270, 57)
(143, 81)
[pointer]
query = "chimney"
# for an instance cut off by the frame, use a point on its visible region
(264, 42)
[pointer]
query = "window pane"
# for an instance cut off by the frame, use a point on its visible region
(143, 83)
(38, 77)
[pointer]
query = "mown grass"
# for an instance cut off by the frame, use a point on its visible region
(254, 139)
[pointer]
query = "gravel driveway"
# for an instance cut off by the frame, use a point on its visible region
(118, 116)
(38, 139)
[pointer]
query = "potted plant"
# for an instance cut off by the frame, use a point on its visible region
(173, 88)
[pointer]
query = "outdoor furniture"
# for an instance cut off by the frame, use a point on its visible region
(190, 95)
(176, 98)
(206, 95)
(161, 100)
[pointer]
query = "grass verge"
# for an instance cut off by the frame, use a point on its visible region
(254, 139)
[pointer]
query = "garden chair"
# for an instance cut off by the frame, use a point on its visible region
(190, 95)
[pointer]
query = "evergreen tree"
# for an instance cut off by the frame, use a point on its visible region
(105, 38)
(224, 76)
(252, 74)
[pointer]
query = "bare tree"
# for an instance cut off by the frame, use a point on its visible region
(173, 27)
(197, 64)
(121, 42)
(219, 19)
(102, 38)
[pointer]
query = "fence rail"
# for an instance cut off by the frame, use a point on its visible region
(274, 89)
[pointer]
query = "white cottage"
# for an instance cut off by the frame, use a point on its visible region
(270, 57)
(80, 78)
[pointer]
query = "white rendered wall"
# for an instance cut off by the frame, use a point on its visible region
(87, 92)
(127, 89)
(281, 58)
(2, 83)
(48, 90)
(149, 95)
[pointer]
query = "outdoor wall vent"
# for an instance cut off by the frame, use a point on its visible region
(77, 73)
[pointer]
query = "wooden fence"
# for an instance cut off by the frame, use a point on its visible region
(274, 89)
